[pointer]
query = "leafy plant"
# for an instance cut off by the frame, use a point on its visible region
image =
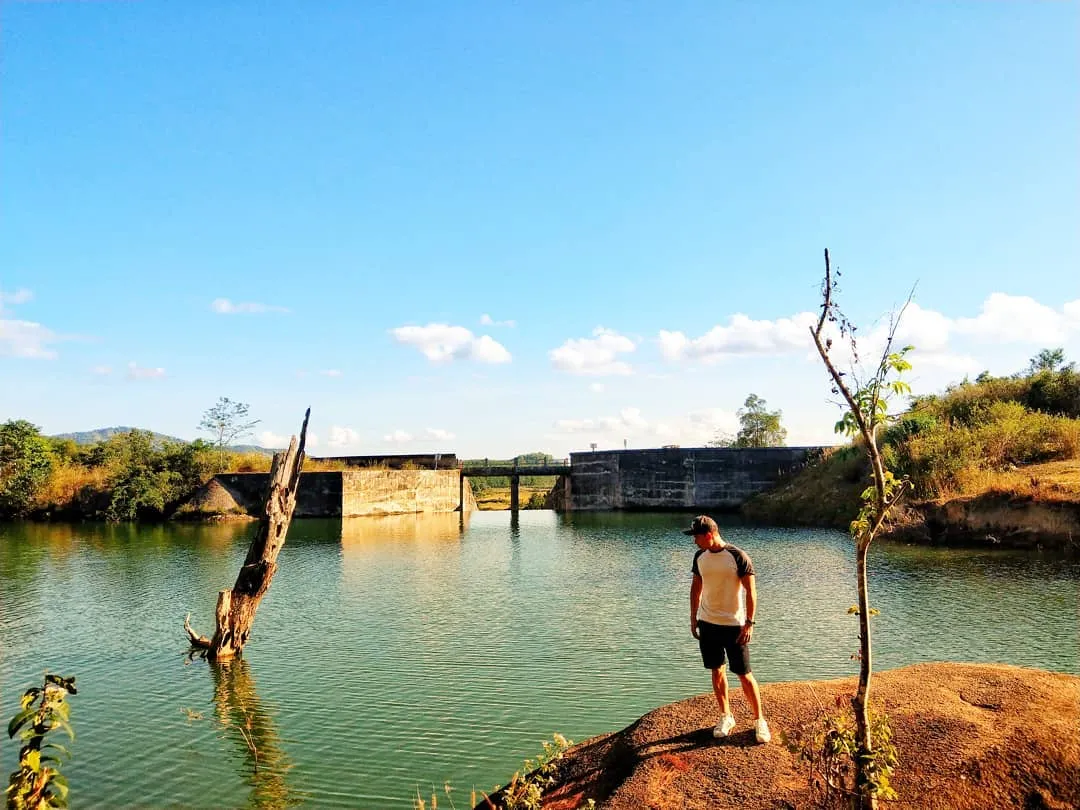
(829, 747)
(526, 789)
(26, 462)
(866, 414)
(38, 783)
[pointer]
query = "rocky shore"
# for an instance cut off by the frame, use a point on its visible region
(969, 737)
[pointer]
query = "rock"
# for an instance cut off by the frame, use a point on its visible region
(969, 736)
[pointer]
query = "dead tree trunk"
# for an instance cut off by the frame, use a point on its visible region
(236, 607)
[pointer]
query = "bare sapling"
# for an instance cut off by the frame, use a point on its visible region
(866, 406)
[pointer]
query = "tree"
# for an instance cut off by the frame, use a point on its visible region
(226, 422)
(867, 411)
(758, 426)
(26, 461)
(1047, 360)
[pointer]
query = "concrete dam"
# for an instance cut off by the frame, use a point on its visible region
(694, 478)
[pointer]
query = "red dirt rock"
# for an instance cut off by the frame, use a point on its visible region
(969, 737)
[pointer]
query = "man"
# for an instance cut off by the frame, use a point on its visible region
(723, 600)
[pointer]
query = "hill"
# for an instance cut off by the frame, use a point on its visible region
(103, 434)
(85, 437)
(991, 461)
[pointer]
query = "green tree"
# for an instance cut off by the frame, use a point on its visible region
(759, 427)
(226, 421)
(1047, 360)
(26, 461)
(866, 413)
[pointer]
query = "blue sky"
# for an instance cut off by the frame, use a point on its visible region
(496, 228)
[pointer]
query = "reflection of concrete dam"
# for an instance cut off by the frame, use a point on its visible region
(705, 478)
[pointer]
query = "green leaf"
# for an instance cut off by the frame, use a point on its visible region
(60, 783)
(60, 749)
(32, 759)
(19, 720)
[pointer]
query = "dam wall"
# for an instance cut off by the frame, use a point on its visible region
(353, 492)
(718, 478)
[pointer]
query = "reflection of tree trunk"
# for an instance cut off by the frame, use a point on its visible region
(236, 608)
(250, 725)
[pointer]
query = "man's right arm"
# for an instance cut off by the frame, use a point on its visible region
(695, 598)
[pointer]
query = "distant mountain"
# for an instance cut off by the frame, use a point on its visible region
(102, 434)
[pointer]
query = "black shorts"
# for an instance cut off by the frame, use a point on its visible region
(720, 640)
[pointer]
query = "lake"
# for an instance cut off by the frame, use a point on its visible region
(398, 654)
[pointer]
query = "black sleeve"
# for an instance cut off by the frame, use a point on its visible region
(743, 564)
(694, 568)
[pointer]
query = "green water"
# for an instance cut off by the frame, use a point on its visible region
(400, 653)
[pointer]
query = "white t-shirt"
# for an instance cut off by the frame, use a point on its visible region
(723, 599)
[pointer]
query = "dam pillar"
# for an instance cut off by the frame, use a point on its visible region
(461, 491)
(515, 492)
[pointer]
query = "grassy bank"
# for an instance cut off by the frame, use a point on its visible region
(128, 476)
(1012, 439)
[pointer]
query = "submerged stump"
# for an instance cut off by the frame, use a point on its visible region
(235, 612)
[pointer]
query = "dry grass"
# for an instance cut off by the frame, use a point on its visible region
(1053, 481)
(498, 499)
(67, 481)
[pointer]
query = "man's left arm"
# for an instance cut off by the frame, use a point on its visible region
(749, 583)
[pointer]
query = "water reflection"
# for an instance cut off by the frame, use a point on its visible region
(249, 723)
(359, 533)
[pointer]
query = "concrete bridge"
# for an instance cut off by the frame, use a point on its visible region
(514, 473)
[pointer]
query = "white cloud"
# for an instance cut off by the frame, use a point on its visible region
(26, 339)
(342, 436)
(101, 371)
(1019, 319)
(486, 350)
(630, 425)
(1072, 312)
(274, 441)
(137, 372)
(223, 306)
(439, 434)
(596, 355)
(398, 437)
(742, 336)
(332, 372)
(487, 320)
(597, 388)
(442, 343)
(20, 296)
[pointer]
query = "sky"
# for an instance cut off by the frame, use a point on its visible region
(495, 228)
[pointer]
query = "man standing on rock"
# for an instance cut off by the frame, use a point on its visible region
(723, 599)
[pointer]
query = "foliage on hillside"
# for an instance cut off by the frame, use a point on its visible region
(137, 475)
(966, 441)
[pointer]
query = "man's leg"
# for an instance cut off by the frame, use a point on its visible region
(753, 696)
(719, 685)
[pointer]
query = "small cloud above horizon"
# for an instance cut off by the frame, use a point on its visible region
(597, 355)
(487, 320)
(443, 343)
(137, 372)
(223, 306)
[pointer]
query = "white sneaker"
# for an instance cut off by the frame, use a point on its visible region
(761, 731)
(727, 723)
